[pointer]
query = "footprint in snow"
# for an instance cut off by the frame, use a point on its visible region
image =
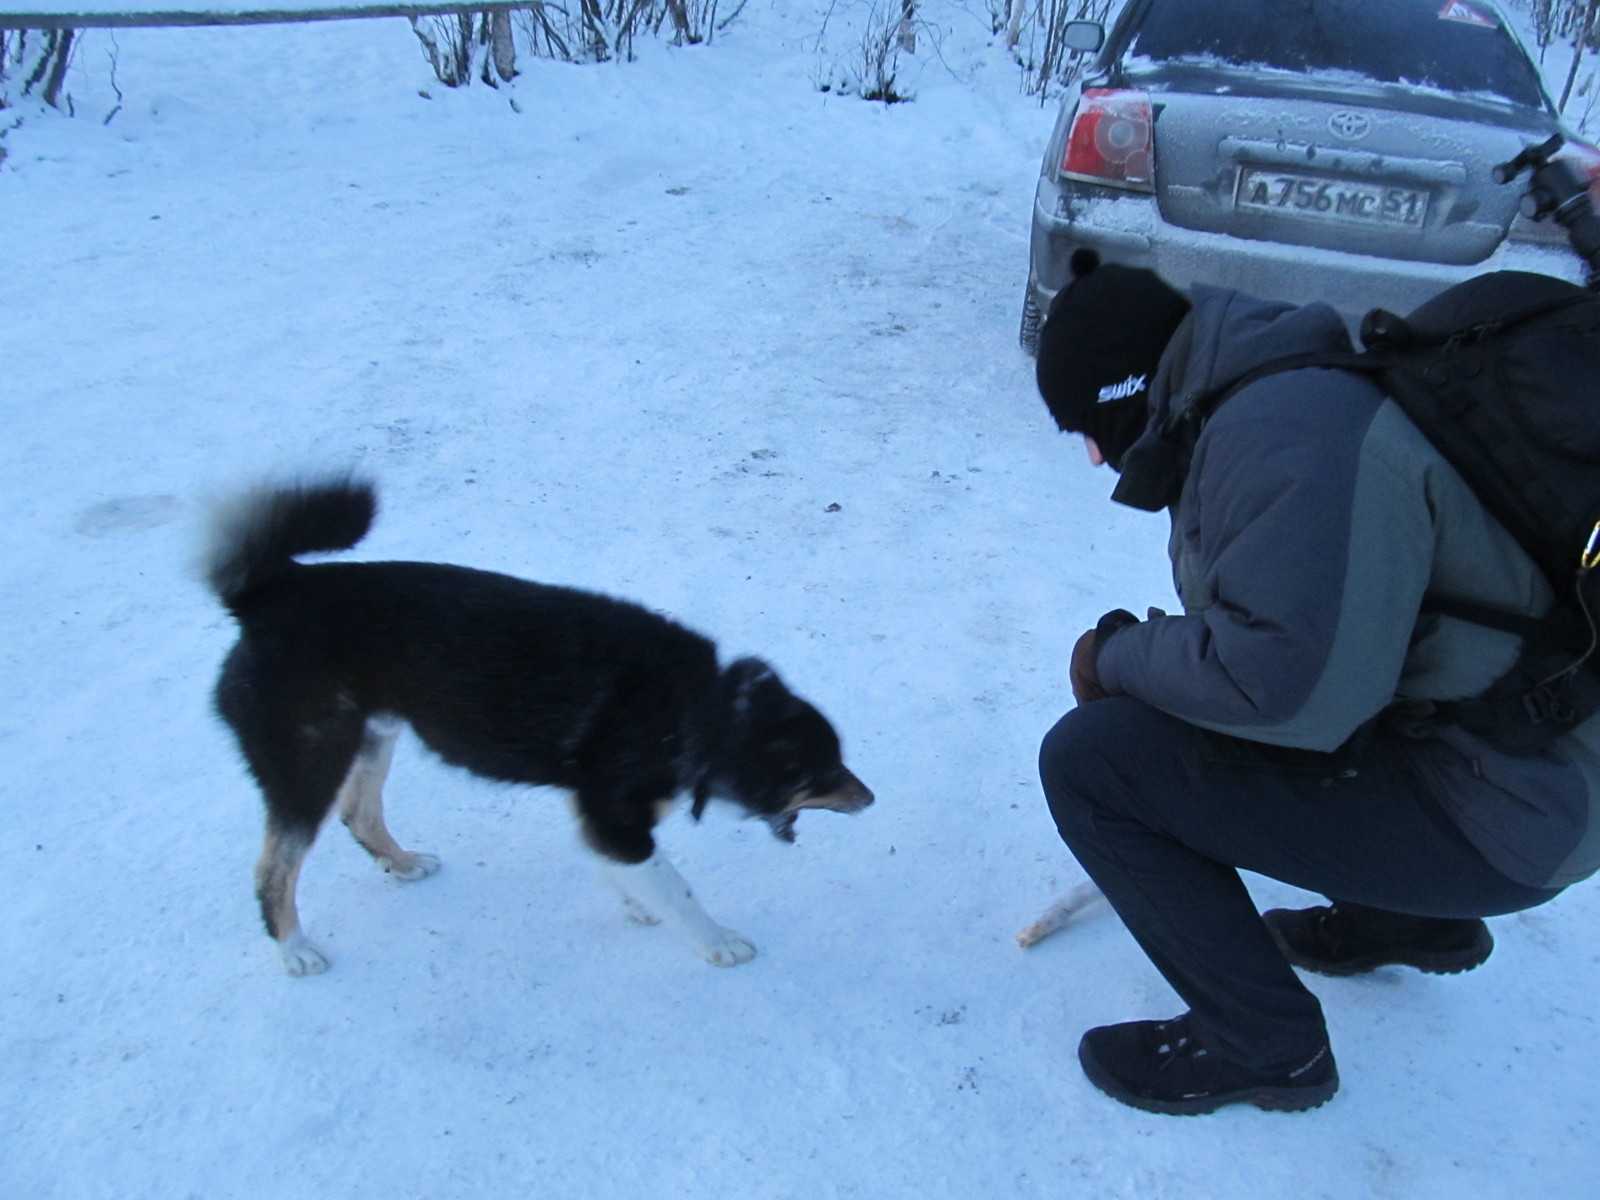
(127, 514)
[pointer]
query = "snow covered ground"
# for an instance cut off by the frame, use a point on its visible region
(692, 332)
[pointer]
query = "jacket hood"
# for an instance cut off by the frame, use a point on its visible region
(1227, 335)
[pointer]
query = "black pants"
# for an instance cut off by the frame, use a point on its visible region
(1160, 813)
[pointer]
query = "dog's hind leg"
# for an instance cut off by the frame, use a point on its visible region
(277, 874)
(300, 735)
(656, 887)
(361, 805)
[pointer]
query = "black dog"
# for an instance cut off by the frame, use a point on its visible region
(515, 681)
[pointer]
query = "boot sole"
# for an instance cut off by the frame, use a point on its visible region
(1271, 1099)
(1438, 962)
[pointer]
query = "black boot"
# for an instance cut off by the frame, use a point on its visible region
(1160, 1067)
(1335, 941)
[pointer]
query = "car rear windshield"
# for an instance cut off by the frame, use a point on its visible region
(1457, 46)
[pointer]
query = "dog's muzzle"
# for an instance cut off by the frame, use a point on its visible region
(848, 795)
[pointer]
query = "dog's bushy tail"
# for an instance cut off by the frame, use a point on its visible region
(259, 534)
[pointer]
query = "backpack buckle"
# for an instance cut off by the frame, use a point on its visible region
(1546, 704)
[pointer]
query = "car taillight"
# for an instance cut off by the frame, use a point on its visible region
(1110, 140)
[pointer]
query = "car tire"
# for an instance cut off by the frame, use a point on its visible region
(1032, 318)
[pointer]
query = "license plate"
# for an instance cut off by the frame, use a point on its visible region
(1330, 199)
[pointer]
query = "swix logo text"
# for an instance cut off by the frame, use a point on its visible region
(1132, 385)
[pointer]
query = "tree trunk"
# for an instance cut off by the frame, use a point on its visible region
(1014, 23)
(502, 50)
(1578, 49)
(679, 12)
(40, 58)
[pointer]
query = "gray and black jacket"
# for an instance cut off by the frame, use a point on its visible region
(1314, 522)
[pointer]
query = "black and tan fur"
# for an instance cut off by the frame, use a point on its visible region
(515, 681)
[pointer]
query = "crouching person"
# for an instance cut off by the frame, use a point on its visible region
(1292, 721)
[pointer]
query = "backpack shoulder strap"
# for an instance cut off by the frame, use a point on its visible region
(1485, 615)
(1349, 360)
(1386, 333)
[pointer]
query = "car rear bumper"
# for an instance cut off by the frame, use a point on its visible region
(1130, 231)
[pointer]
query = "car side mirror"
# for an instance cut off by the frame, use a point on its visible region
(1084, 36)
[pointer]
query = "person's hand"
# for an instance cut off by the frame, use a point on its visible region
(1085, 679)
(1084, 671)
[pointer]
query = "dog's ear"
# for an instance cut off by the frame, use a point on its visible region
(744, 677)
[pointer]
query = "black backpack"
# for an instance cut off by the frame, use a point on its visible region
(1502, 374)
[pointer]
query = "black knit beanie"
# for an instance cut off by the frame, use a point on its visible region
(1099, 349)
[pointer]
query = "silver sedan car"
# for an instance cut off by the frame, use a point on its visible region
(1336, 150)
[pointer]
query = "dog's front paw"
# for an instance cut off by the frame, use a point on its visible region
(300, 956)
(411, 867)
(727, 949)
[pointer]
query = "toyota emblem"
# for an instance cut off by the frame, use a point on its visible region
(1351, 126)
